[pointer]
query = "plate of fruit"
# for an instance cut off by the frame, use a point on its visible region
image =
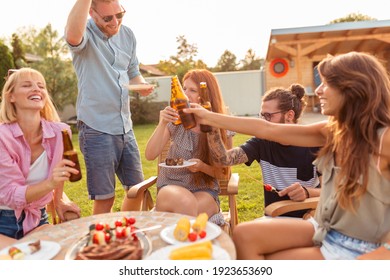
(37, 250)
(190, 231)
(120, 241)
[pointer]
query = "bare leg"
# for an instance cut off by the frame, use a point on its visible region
(275, 239)
(176, 199)
(6, 241)
(206, 203)
(103, 206)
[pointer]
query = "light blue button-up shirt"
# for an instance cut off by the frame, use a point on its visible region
(103, 65)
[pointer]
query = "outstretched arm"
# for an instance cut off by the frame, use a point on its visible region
(220, 154)
(313, 135)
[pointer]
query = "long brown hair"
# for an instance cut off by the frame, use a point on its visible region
(217, 105)
(365, 87)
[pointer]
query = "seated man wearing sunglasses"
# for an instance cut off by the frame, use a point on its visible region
(288, 169)
(105, 61)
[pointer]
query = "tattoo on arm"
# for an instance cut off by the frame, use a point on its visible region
(219, 153)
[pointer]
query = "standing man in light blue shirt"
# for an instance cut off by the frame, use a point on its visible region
(105, 61)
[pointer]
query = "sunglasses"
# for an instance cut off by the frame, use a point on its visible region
(268, 116)
(110, 18)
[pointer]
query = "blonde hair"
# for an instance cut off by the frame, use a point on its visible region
(8, 109)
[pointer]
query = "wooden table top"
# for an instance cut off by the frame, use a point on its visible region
(69, 233)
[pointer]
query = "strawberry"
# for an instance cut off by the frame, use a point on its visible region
(135, 237)
(118, 223)
(126, 232)
(131, 220)
(119, 232)
(99, 237)
(99, 226)
(107, 237)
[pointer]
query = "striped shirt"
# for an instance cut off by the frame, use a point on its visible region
(282, 165)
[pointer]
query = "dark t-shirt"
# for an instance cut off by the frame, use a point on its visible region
(282, 166)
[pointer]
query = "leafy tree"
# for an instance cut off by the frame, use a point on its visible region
(55, 66)
(18, 52)
(199, 64)
(227, 62)
(250, 62)
(352, 18)
(183, 61)
(6, 62)
(186, 51)
(144, 109)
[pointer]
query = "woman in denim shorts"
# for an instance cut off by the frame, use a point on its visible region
(354, 208)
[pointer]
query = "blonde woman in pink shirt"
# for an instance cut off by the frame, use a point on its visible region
(32, 171)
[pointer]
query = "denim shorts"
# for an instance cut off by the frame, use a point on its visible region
(13, 228)
(106, 155)
(338, 246)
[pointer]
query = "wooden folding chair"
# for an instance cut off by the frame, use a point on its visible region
(143, 200)
(281, 207)
(50, 208)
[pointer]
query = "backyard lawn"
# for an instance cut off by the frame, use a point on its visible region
(250, 194)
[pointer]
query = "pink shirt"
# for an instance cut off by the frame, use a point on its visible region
(15, 162)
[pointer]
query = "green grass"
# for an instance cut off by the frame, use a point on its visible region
(250, 195)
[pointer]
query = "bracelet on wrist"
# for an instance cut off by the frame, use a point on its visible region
(386, 245)
(306, 191)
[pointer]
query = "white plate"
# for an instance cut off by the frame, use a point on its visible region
(186, 163)
(139, 86)
(49, 250)
(212, 231)
(163, 253)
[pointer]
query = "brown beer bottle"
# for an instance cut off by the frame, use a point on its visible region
(205, 102)
(174, 92)
(71, 154)
(179, 101)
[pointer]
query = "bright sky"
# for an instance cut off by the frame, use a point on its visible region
(213, 25)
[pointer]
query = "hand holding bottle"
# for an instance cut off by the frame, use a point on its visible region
(179, 101)
(167, 115)
(62, 172)
(71, 154)
(205, 102)
(200, 112)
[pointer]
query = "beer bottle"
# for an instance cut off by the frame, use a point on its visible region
(205, 102)
(174, 92)
(179, 101)
(71, 154)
